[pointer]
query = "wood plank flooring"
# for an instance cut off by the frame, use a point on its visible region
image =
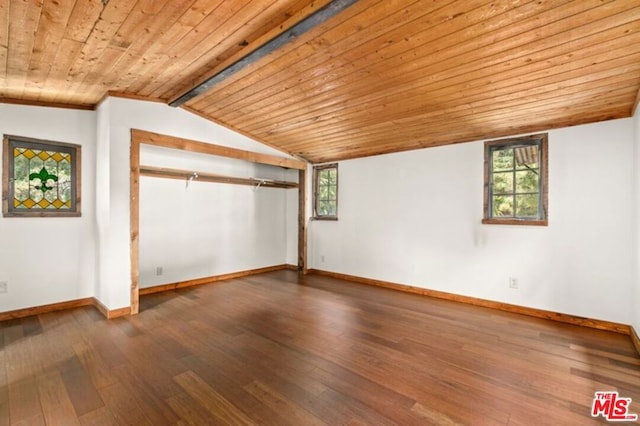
(276, 349)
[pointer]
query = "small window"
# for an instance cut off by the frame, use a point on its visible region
(40, 178)
(516, 181)
(325, 192)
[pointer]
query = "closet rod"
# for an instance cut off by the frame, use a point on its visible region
(162, 172)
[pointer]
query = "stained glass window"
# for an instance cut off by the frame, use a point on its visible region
(40, 178)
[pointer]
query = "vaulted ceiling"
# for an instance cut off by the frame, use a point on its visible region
(380, 76)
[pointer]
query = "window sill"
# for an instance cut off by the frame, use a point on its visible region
(42, 213)
(524, 222)
(334, 218)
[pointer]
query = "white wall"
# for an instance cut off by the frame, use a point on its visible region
(104, 272)
(635, 296)
(126, 114)
(232, 228)
(291, 222)
(206, 229)
(414, 218)
(50, 260)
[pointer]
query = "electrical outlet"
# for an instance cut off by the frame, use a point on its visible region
(322, 259)
(4, 285)
(513, 282)
(159, 270)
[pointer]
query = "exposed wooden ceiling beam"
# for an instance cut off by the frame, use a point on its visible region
(151, 138)
(321, 15)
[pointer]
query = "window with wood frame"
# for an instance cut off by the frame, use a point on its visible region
(516, 181)
(325, 192)
(40, 178)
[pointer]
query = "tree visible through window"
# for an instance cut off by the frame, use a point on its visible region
(40, 178)
(516, 181)
(326, 191)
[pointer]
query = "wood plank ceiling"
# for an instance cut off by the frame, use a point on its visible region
(382, 76)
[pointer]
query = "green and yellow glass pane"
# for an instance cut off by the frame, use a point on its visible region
(35, 164)
(59, 204)
(29, 203)
(21, 177)
(64, 170)
(41, 179)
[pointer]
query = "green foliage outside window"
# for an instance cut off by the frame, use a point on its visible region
(515, 186)
(326, 191)
(516, 180)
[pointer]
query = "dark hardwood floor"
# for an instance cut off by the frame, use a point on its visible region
(273, 349)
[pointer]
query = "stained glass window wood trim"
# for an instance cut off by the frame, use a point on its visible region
(40, 178)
